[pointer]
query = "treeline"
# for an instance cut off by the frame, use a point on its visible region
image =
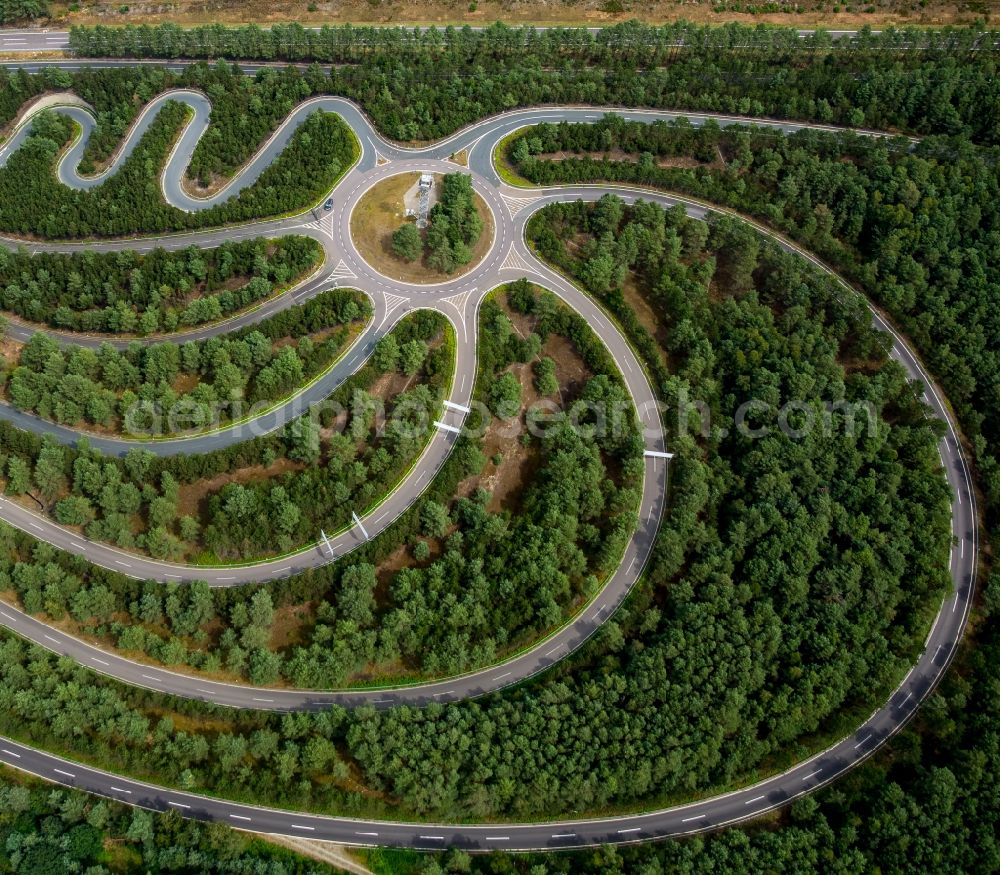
(129, 292)
(58, 830)
(831, 593)
(653, 44)
(422, 84)
(918, 229)
(165, 387)
(136, 502)
(33, 201)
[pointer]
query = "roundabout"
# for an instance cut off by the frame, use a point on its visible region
(508, 258)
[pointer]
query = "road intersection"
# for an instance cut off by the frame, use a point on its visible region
(509, 258)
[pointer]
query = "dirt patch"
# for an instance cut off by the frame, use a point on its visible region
(390, 385)
(191, 723)
(290, 624)
(397, 560)
(645, 312)
(380, 212)
(318, 337)
(184, 383)
(461, 157)
(516, 463)
(10, 353)
(574, 245)
(325, 852)
(194, 187)
(684, 161)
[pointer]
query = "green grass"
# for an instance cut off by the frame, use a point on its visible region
(391, 861)
(503, 166)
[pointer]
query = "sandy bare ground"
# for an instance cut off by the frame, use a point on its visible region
(552, 12)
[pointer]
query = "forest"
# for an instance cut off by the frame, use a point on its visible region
(927, 804)
(128, 292)
(420, 84)
(162, 388)
(789, 623)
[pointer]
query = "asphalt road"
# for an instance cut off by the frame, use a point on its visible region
(509, 258)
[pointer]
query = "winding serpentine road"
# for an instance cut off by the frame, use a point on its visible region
(459, 299)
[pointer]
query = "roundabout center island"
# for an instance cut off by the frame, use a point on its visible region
(422, 227)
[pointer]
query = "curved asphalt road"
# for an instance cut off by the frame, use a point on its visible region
(459, 299)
